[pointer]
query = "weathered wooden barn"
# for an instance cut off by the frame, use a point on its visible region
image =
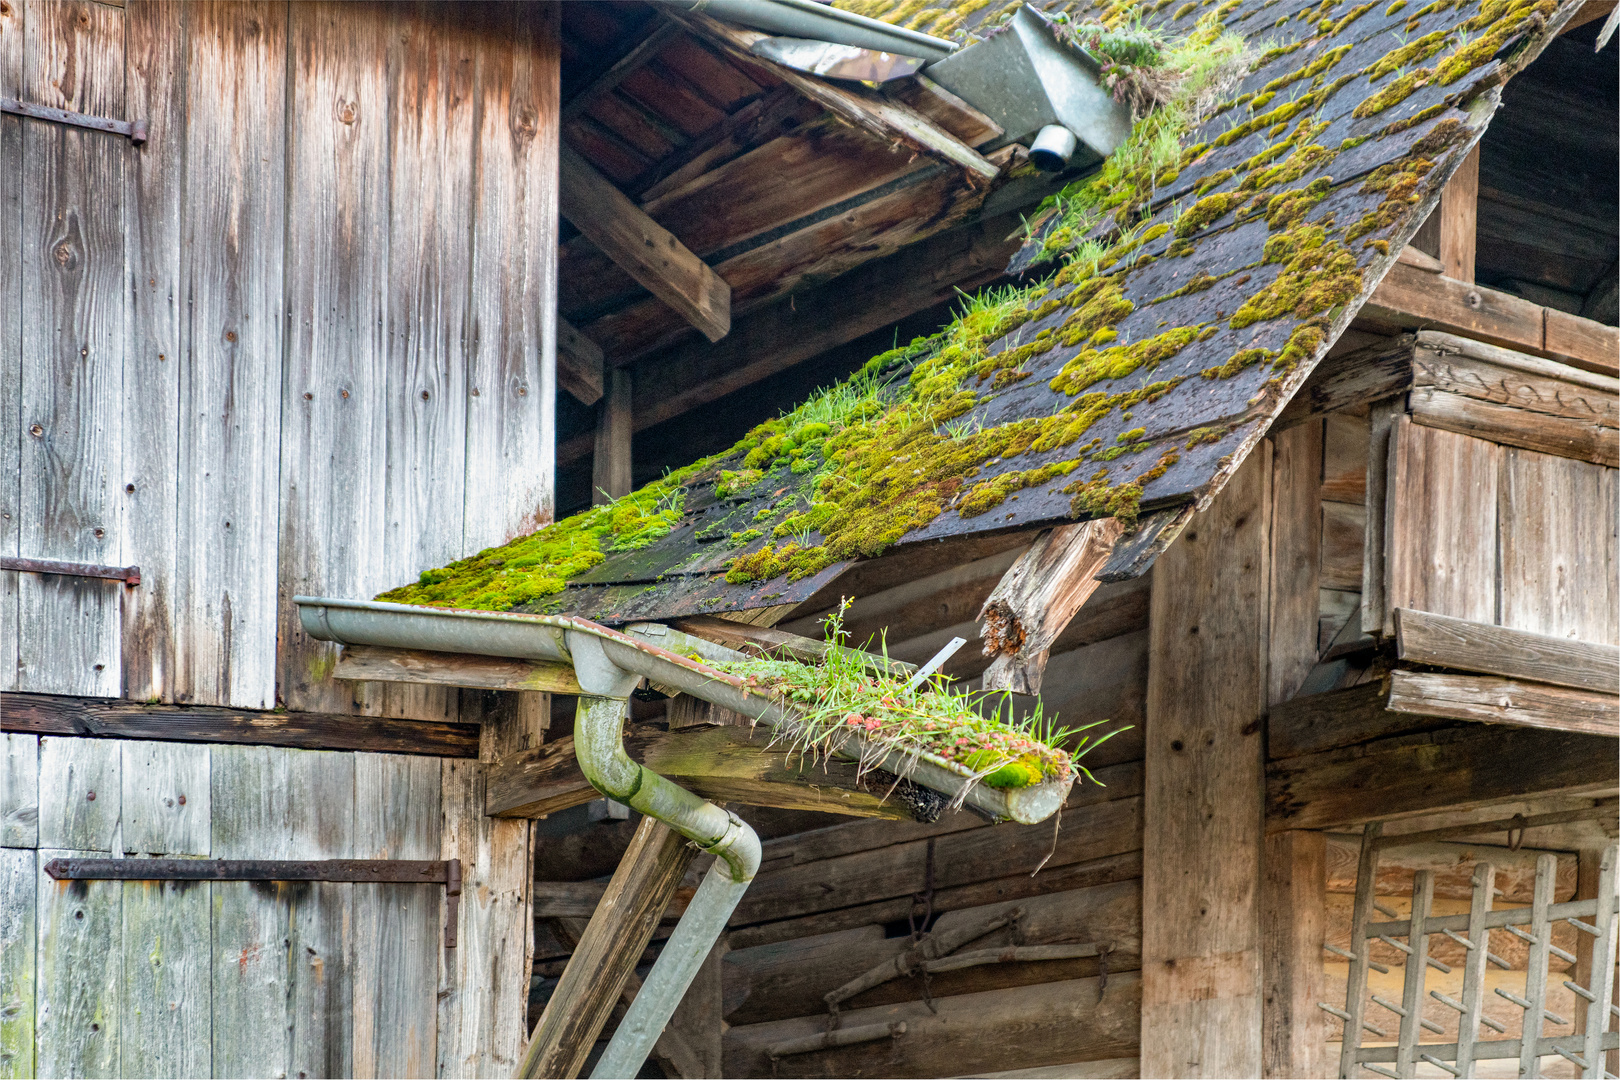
(1278, 436)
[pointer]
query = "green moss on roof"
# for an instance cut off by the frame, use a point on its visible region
(908, 438)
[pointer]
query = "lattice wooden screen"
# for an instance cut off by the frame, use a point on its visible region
(1534, 925)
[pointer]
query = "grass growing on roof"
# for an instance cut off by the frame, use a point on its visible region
(843, 701)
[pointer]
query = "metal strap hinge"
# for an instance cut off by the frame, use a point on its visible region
(446, 872)
(129, 575)
(134, 130)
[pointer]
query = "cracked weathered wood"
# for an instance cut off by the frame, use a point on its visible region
(1424, 638)
(1036, 598)
(381, 664)
(607, 953)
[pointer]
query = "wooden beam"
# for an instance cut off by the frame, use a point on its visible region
(1451, 768)
(644, 249)
(1357, 377)
(944, 108)
(1312, 723)
(1491, 699)
(372, 663)
(1201, 977)
(49, 714)
(1293, 910)
(1462, 645)
(1459, 215)
(726, 764)
(1296, 558)
(579, 363)
(661, 33)
(623, 924)
(1037, 596)
(611, 476)
(788, 332)
(1590, 11)
(1409, 297)
(886, 118)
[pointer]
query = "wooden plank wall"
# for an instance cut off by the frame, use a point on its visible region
(247, 979)
(301, 341)
(1498, 534)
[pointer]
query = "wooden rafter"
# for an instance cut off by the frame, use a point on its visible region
(579, 363)
(644, 249)
(884, 117)
(771, 339)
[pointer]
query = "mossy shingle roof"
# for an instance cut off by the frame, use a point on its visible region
(1136, 378)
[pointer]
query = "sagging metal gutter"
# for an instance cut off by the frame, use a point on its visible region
(609, 665)
(822, 22)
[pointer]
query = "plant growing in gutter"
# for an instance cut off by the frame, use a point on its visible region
(844, 700)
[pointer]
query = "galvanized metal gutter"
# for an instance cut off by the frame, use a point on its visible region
(653, 651)
(609, 665)
(821, 22)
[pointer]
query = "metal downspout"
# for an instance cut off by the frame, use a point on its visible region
(599, 749)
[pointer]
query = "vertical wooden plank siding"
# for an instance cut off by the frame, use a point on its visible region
(1558, 520)
(398, 929)
(18, 887)
(155, 74)
(19, 790)
(511, 441)
(11, 320)
(166, 1025)
(1296, 557)
(80, 784)
(166, 934)
(230, 386)
(483, 982)
(1204, 782)
(80, 989)
(334, 440)
(1441, 553)
(320, 954)
(1293, 912)
(251, 931)
(166, 798)
(430, 180)
(73, 337)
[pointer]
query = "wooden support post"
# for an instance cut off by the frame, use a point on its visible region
(1293, 907)
(1036, 598)
(624, 922)
(1459, 214)
(1201, 979)
(579, 363)
(610, 469)
(643, 248)
(1296, 556)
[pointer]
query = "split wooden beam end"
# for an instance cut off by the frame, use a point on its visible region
(579, 363)
(1036, 598)
(644, 249)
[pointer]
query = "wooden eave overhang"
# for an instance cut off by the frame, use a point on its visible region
(772, 178)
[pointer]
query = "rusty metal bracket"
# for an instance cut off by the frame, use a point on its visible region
(446, 872)
(129, 575)
(134, 130)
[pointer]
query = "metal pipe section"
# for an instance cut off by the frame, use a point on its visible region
(601, 656)
(821, 22)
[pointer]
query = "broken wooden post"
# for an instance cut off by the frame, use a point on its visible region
(1037, 597)
(623, 924)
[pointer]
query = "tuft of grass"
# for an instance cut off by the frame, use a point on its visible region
(843, 700)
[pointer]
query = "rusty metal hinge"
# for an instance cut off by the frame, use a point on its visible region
(134, 130)
(129, 575)
(446, 872)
